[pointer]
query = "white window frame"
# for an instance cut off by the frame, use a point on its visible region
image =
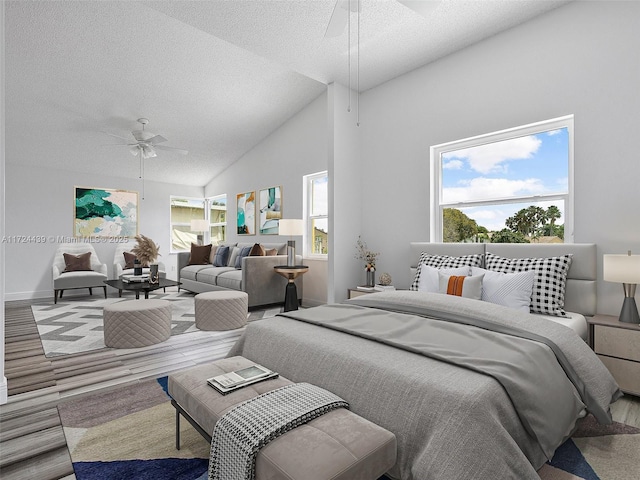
(206, 202)
(436, 152)
(308, 217)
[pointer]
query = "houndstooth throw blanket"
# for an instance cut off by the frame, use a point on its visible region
(243, 430)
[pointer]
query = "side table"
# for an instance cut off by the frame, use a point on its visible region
(617, 344)
(291, 292)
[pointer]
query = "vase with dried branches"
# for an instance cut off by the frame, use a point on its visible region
(147, 251)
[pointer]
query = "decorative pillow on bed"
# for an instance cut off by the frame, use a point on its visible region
(429, 280)
(461, 285)
(549, 282)
(509, 289)
(444, 261)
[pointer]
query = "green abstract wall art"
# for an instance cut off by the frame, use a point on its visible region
(104, 212)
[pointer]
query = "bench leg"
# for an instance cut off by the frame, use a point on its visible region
(177, 429)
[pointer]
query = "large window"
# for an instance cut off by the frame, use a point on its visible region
(183, 210)
(316, 214)
(513, 186)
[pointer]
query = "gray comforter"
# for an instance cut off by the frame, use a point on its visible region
(450, 422)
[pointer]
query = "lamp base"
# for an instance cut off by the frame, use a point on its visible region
(291, 253)
(629, 312)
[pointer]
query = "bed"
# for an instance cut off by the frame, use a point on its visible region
(456, 411)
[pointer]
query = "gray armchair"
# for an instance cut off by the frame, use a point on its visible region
(77, 279)
(119, 262)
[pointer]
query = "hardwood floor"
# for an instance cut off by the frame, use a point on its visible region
(32, 443)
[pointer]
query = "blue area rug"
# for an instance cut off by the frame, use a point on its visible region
(128, 433)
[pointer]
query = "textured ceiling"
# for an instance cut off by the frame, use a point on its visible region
(213, 77)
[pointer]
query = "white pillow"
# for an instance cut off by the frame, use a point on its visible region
(508, 289)
(463, 286)
(429, 281)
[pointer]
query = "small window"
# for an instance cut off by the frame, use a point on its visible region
(513, 186)
(316, 214)
(184, 210)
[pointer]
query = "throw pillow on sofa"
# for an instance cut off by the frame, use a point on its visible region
(221, 257)
(271, 252)
(199, 254)
(244, 252)
(257, 251)
(77, 263)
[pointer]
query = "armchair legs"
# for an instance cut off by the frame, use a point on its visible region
(58, 293)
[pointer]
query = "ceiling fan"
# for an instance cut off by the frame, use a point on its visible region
(145, 143)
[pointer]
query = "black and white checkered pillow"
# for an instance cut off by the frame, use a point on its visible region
(549, 282)
(444, 261)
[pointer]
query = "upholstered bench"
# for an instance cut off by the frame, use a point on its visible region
(338, 445)
(221, 310)
(137, 323)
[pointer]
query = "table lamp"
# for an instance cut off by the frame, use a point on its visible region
(200, 226)
(291, 227)
(624, 269)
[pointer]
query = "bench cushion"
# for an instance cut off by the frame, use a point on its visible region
(339, 445)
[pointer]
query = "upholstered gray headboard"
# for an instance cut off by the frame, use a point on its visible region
(580, 294)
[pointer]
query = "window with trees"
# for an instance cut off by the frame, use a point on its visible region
(185, 209)
(512, 186)
(316, 214)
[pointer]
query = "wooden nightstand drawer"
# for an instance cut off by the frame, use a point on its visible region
(626, 373)
(617, 342)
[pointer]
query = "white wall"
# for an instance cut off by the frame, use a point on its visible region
(3, 379)
(296, 148)
(39, 202)
(580, 59)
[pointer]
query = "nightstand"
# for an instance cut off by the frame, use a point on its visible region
(354, 292)
(617, 344)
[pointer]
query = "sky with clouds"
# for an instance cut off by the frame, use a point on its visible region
(522, 166)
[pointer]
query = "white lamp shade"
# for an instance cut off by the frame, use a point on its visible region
(291, 227)
(621, 268)
(199, 225)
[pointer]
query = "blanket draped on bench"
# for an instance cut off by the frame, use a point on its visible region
(243, 430)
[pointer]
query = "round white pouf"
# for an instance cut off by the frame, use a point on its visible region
(137, 323)
(221, 310)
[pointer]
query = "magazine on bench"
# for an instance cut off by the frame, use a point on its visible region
(228, 382)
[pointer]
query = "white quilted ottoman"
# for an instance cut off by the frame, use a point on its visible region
(221, 310)
(137, 323)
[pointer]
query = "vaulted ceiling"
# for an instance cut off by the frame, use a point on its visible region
(213, 77)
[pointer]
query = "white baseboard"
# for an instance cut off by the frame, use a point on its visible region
(46, 294)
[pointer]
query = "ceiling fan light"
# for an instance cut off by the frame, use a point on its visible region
(134, 150)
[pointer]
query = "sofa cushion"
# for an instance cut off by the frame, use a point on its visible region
(209, 274)
(199, 254)
(272, 252)
(190, 272)
(257, 251)
(243, 252)
(221, 257)
(129, 260)
(230, 279)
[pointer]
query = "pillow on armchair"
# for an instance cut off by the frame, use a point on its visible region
(129, 260)
(77, 263)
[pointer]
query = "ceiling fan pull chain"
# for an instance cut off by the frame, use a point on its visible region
(349, 52)
(358, 73)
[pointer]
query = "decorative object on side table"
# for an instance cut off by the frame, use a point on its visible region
(146, 250)
(624, 269)
(369, 257)
(154, 274)
(291, 227)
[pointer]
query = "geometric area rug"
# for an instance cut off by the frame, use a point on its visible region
(128, 433)
(75, 325)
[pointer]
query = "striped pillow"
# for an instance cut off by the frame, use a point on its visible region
(461, 286)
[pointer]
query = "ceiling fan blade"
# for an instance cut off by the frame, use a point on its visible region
(116, 136)
(423, 7)
(157, 139)
(172, 149)
(118, 145)
(338, 20)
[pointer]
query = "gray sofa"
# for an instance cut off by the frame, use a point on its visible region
(256, 277)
